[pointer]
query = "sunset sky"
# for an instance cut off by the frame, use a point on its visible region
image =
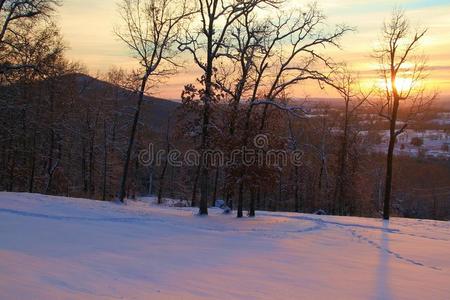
(87, 26)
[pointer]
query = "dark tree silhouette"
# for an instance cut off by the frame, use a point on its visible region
(399, 62)
(151, 29)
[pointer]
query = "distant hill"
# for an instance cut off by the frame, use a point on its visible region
(155, 111)
(443, 102)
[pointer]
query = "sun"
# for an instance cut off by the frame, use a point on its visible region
(403, 84)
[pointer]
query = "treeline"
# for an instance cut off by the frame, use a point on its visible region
(61, 132)
(64, 134)
(420, 189)
(70, 134)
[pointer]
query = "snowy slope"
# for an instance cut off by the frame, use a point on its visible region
(64, 248)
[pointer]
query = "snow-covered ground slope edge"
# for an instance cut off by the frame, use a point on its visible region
(65, 248)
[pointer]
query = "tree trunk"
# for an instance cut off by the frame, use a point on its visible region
(296, 192)
(11, 170)
(203, 207)
(207, 98)
(240, 200)
(105, 161)
(135, 178)
(216, 180)
(251, 211)
(91, 168)
(388, 183)
(339, 200)
(150, 181)
(229, 200)
(50, 162)
(390, 154)
(84, 169)
(258, 198)
(194, 188)
(131, 140)
(163, 172)
(33, 164)
(162, 181)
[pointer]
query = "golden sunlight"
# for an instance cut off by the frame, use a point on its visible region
(401, 83)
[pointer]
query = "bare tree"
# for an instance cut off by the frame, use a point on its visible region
(287, 54)
(402, 72)
(13, 15)
(151, 29)
(354, 97)
(293, 55)
(235, 78)
(208, 44)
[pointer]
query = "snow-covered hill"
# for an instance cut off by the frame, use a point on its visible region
(64, 248)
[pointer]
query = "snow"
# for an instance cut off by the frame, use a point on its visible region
(66, 248)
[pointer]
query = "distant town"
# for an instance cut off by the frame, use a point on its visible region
(428, 136)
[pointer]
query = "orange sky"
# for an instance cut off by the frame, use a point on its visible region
(87, 26)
